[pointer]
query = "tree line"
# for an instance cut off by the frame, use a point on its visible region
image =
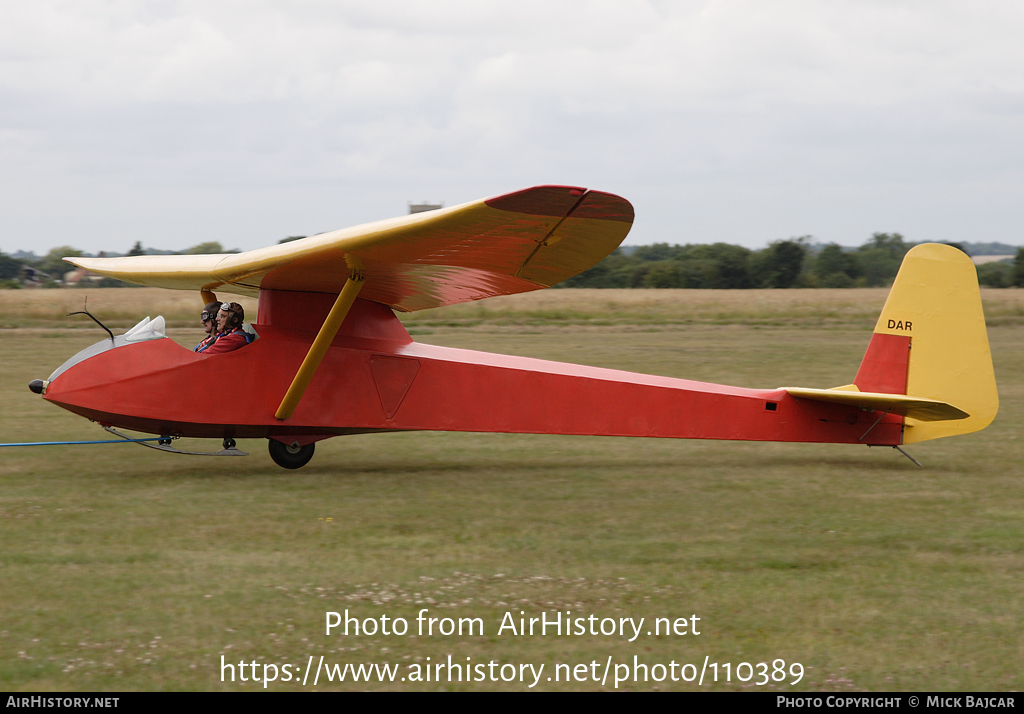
(794, 263)
(49, 270)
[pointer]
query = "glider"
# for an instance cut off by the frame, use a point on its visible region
(332, 358)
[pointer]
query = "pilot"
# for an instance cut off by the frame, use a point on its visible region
(229, 332)
(209, 319)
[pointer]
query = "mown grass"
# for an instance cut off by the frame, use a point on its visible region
(823, 308)
(124, 568)
(115, 307)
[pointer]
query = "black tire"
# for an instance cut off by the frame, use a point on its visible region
(229, 443)
(290, 456)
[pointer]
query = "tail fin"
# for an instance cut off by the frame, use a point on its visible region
(930, 341)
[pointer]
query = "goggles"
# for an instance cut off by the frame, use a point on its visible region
(206, 317)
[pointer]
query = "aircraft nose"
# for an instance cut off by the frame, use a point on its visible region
(36, 385)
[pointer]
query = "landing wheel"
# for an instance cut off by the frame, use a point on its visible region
(229, 443)
(164, 441)
(290, 456)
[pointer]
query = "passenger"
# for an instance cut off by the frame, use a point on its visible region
(209, 318)
(229, 329)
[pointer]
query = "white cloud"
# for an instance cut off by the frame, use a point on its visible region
(742, 121)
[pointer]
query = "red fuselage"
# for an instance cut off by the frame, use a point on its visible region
(375, 378)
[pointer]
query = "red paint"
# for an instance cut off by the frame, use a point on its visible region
(375, 378)
(565, 200)
(307, 311)
(605, 207)
(393, 376)
(540, 200)
(884, 367)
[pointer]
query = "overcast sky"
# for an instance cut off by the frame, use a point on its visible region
(743, 121)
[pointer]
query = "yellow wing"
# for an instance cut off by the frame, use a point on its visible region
(508, 244)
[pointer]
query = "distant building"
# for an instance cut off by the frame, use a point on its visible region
(79, 276)
(33, 277)
(424, 207)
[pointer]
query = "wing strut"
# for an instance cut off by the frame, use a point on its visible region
(319, 347)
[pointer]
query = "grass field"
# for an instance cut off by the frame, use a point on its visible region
(123, 568)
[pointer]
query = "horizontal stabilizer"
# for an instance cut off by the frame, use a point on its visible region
(915, 407)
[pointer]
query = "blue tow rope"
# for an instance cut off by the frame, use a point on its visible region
(66, 443)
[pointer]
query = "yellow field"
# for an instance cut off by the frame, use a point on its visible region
(124, 568)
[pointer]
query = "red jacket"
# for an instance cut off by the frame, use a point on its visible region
(205, 344)
(227, 342)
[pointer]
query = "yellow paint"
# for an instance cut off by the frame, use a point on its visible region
(319, 347)
(917, 407)
(951, 388)
(413, 262)
(846, 388)
(936, 292)
(208, 297)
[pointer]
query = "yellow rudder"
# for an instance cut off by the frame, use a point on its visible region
(935, 301)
